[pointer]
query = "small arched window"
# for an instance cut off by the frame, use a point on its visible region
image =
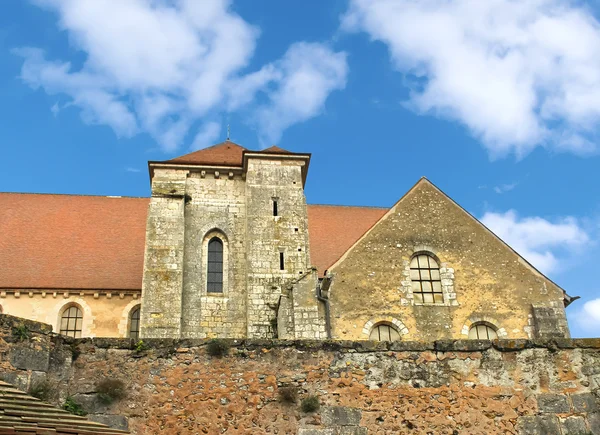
(384, 332)
(425, 280)
(71, 321)
(214, 279)
(134, 323)
(482, 331)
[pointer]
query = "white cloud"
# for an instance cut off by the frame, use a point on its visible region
(130, 169)
(160, 67)
(307, 74)
(505, 188)
(518, 74)
(207, 135)
(538, 240)
(55, 109)
(588, 317)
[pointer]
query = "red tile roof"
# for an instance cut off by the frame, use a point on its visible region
(333, 229)
(69, 241)
(226, 153)
(95, 242)
(275, 150)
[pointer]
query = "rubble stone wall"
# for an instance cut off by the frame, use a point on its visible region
(444, 387)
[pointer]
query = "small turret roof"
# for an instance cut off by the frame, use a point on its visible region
(225, 153)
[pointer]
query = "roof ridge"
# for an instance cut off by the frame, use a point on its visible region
(74, 194)
(351, 206)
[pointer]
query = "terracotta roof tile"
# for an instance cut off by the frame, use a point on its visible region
(69, 241)
(333, 229)
(276, 150)
(226, 153)
(94, 242)
(21, 413)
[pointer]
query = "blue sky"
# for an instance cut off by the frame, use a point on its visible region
(496, 102)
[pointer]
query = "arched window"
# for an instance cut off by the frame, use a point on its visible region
(425, 280)
(134, 323)
(214, 279)
(482, 331)
(384, 332)
(71, 321)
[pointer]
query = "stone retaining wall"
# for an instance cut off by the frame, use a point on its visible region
(445, 387)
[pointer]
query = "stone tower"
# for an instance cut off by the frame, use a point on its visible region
(227, 239)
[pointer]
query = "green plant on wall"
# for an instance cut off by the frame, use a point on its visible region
(110, 390)
(43, 390)
(21, 332)
(217, 348)
(140, 346)
(310, 404)
(73, 407)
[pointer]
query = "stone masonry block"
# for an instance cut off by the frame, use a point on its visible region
(340, 416)
(30, 359)
(351, 430)
(311, 431)
(585, 402)
(574, 426)
(538, 425)
(111, 420)
(553, 403)
(594, 421)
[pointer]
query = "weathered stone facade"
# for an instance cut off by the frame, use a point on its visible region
(443, 387)
(482, 279)
(258, 211)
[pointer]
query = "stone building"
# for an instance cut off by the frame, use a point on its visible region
(226, 246)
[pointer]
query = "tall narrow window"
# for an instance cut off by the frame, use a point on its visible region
(134, 323)
(214, 280)
(281, 261)
(71, 322)
(275, 208)
(425, 278)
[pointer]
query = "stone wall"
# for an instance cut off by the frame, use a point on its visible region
(216, 206)
(482, 279)
(263, 252)
(444, 387)
(163, 261)
(270, 237)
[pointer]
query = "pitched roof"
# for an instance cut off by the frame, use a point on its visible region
(225, 153)
(21, 413)
(95, 242)
(276, 150)
(424, 181)
(333, 229)
(70, 241)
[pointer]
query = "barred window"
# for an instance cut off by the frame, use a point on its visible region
(214, 281)
(482, 331)
(71, 321)
(425, 279)
(134, 323)
(384, 332)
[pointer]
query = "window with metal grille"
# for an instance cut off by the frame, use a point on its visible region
(482, 331)
(71, 322)
(425, 279)
(384, 332)
(214, 280)
(134, 323)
